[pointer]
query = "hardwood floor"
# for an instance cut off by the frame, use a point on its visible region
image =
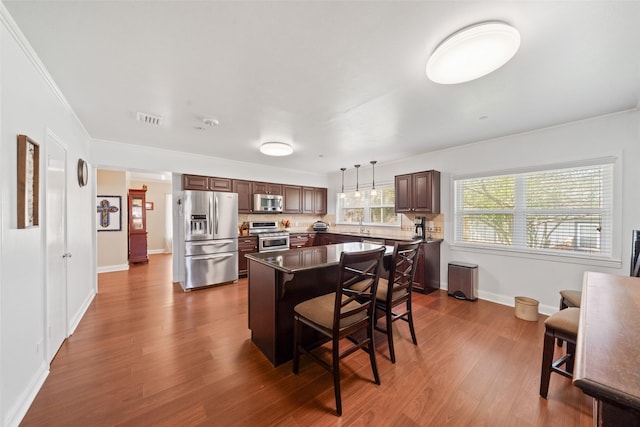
(147, 353)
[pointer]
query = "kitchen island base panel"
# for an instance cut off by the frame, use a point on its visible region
(272, 296)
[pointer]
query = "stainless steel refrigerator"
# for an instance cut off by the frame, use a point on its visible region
(211, 238)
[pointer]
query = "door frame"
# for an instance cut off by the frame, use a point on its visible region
(51, 138)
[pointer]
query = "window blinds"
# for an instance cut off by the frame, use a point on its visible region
(551, 210)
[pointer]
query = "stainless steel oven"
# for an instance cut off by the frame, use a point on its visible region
(269, 237)
(268, 242)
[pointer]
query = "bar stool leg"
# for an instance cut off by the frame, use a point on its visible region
(547, 360)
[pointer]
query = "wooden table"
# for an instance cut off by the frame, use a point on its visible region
(280, 280)
(607, 365)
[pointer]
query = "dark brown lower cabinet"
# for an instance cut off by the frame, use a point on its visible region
(430, 269)
(298, 240)
(246, 245)
(427, 277)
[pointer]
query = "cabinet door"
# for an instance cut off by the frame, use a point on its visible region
(432, 266)
(137, 226)
(422, 196)
(321, 239)
(274, 189)
(137, 212)
(298, 240)
(403, 187)
(138, 247)
(243, 188)
(266, 188)
(195, 182)
(419, 283)
(220, 184)
(246, 245)
(312, 240)
(320, 201)
(308, 200)
(292, 199)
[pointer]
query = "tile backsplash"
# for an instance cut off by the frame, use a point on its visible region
(301, 223)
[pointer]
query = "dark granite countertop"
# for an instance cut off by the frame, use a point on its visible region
(301, 259)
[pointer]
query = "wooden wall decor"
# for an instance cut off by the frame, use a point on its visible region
(28, 182)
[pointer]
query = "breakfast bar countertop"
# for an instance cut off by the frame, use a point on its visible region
(309, 258)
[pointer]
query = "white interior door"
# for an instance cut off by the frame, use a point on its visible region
(57, 255)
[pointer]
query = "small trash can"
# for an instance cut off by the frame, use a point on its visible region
(527, 309)
(463, 280)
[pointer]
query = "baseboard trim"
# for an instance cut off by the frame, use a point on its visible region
(157, 251)
(80, 314)
(505, 300)
(110, 268)
(19, 410)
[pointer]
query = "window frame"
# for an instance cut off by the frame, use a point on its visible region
(367, 214)
(612, 260)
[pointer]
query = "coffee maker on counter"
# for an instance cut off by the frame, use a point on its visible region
(419, 224)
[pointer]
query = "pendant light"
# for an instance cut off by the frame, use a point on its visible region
(357, 181)
(342, 192)
(374, 192)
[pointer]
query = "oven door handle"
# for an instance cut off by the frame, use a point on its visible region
(201, 257)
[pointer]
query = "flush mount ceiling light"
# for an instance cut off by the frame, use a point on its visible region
(276, 149)
(473, 52)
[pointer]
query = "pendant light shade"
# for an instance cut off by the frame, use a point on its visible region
(374, 192)
(473, 52)
(342, 192)
(357, 181)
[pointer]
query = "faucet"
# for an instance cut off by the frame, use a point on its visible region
(362, 229)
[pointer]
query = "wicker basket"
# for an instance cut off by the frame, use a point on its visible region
(527, 309)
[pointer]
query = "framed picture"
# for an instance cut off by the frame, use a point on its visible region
(149, 206)
(109, 213)
(28, 182)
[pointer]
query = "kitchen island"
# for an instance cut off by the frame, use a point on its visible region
(280, 280)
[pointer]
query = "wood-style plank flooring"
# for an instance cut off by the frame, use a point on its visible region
(147, 353)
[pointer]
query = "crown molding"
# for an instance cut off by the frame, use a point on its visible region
(13, 29)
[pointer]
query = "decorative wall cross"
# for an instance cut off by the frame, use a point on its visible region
(104, 208)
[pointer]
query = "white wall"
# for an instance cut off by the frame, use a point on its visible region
(115, 155)
(30, 105)
(503, 276)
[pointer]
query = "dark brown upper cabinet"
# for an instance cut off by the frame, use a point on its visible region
(266, 188)
(418, 192)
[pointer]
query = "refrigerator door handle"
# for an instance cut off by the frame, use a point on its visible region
(200, 257)
(215, 206)
(210, 226)
(212, 242)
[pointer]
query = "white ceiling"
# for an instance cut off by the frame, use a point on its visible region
(343, 81)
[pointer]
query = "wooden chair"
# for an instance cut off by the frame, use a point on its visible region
(569, 298)
(561, 325)
(396, 292)
(345, 313)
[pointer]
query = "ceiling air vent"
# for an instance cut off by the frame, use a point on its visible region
(149, 119)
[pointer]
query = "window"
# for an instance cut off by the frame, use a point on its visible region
(371, 210)
(566, 210)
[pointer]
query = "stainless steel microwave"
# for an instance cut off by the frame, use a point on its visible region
(267, 203)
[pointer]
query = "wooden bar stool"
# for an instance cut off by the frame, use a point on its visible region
(561, 325)
(570, 299)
